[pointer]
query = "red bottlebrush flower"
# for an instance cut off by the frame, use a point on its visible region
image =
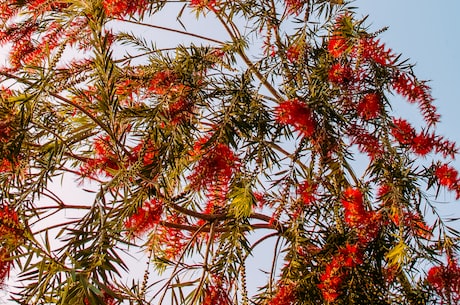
(331, 280)
(307, 192)
(162, 82)
(216, 161)
(121, 8)
(105, 161)
(296, 113)
(294, 6)
(169, 240)
(201, 4)
(446, 281)
(369, 107)
(9, 224)
(367, 143)
(417, 225)
(214, 169)
(340, 75)
(337, 46)
(372, 49)
(351, 255)
(415, 91)
(383, 190)
(5, 166)
(145, 218)
(216, 293)
(422, 144)
(285, 295)
(5, 266)
(147, 151)
(403, 132)
(352, 202)
(447, 176)
(293, 53)
(329, 295)
(366, 223)
(180, 110)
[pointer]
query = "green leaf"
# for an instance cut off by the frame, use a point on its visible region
(242, 201)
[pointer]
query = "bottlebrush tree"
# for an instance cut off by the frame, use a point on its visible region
(264, 125)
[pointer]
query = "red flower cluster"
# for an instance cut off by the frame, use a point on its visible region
(201, 4)
(216, 293)
(293, 52)
(307, 192)
(446, 281)
(337, 45)
(372, 49)
(367, 143)
(10, 237)
(423, 142)
(416, 92)
(403, 132)
(448, 176)
(297, 114)
(336, 271)
(121, 8)
(145, 218)
(5, 266)
(105, 161)
(162, 82)
(5, 166)
(171, 240)
(215, 167)
(340, 74)
(294, 6)
(369, 107)
(366, 223)
(146, 151)
(285, 295)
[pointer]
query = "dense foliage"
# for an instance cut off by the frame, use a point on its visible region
(206, 131)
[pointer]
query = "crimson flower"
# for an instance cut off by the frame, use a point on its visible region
(372, 49)
(351, 255)
(201, 4)
(369, 107)
(5, 266)
(162, 82)
(446, 281)
(422, 144)
(337, 46)
(447, 176)
(297, 114)
(5, 166)
(145, 218)
(293, 53)
(402, 131)
(216, 293)
(294, 6)
(340, 74)
(307, 192)
(121, 8)
(285, 295)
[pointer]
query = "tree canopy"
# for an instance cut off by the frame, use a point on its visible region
(202, 131)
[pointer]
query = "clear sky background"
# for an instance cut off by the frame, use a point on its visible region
(428, 33)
